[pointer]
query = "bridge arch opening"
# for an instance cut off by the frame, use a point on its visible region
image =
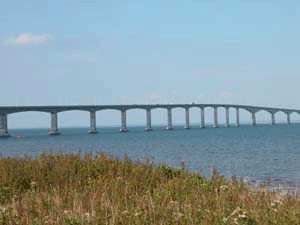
(178, 117)
(136, 117)
(159, 118)
(221, 116)
(73, 118)
(263, 117)
(232, 116)
(295, 117)
(108, 118)
(281, 117)
(209, 116)
(28, 120)
(195, 117)
(245, 116)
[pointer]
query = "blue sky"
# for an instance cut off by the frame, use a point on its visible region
(133, 51)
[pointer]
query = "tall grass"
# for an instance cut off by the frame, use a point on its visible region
(101, 189)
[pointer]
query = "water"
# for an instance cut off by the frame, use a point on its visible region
(262, 153)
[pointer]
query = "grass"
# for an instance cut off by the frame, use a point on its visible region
(101, 189)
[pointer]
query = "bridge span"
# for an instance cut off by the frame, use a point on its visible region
(53, 110)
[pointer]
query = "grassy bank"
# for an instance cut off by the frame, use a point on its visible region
(72, 189)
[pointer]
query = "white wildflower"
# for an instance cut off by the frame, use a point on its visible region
(137, 213)
(235, 221)
(235, 211)
(2, 209)
(224, 187)
(243, 216)
(278, 202)
(33, 184)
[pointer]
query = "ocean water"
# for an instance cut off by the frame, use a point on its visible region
(262, 153)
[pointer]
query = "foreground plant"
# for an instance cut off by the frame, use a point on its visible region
(101, 189)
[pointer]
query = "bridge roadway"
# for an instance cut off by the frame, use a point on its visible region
(53, 110)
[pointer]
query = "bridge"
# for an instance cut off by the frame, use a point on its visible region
(53, 110)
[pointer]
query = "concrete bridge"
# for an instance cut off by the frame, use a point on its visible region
(53, 110)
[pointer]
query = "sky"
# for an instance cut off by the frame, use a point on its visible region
(75, 52)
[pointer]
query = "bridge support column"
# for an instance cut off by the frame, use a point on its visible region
(169, 127)
(148, 126)
(202, 125)
(216, 117)
(288, 119)
(93, 123)
(273, 118)
(227, 117)
(3, 126)
(123, 122)
(253, 119)
(54, 130)
(237, 117)
(187, 118)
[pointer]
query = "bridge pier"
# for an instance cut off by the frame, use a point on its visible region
(237, 117)
(288, 119)
(227, 117)
(123, 122)
(216, 117)
(54, 130)
(169, 127)
(202, 125)
(93, 129)
(253, 119)
(148, 115)
(273, 118)
(3, 126)
(187, 118)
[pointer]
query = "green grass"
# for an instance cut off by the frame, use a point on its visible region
(73, 189)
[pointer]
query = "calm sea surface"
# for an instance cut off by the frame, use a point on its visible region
(262, 153)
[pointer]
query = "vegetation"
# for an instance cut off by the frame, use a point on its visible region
(101, 189)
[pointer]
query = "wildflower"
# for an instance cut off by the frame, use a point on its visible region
(235, 211)
(3, 209)
(278, 202)
(137, 213)
(275, 210)
(33, 184)
(225, 219)
(246, 180)
(66, 212)
(235, 221)
(224, 187)
(87, 215)
(243, 216)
